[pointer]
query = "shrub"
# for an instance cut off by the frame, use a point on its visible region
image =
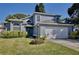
(38, 40)
(13, 34)
(74, 35)
(43, 37)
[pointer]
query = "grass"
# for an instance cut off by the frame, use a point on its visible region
(21, 46)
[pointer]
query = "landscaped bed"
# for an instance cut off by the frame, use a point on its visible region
(21, 46)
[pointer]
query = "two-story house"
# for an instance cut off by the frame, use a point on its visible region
(41, 24)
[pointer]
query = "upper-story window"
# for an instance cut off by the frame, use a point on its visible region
(38, 17)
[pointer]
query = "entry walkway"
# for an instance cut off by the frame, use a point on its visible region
(73, 44)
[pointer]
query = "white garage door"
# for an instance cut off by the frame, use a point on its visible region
(56, 32)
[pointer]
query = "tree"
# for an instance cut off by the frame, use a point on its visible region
(67, 20)
(37, 8)
(75, 21)
(73, 8)
(19, 16)
(73, 12)
(15, 16)
(40, 8)
(9, 17)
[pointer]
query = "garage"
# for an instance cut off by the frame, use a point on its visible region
(55, 31)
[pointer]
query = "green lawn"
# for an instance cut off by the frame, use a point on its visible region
(21, 46)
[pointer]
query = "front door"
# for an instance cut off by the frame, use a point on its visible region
(29, 31)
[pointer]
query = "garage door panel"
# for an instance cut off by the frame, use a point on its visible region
(54, 32)
(57, 32)
(62, 32)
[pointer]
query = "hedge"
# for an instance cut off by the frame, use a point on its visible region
(13, 34)
(74, 35)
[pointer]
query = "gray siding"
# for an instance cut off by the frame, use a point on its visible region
(35, 29)
(44, 17)
(40, 18)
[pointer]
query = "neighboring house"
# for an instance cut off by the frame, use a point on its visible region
(41, 24)
(1, 27)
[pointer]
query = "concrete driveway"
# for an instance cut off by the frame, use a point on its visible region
(73, 44)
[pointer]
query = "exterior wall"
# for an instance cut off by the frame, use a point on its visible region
(39, 18)
(11, 27)
(23, 28)
(50, 18)
(34, 18)
(42, 30)
(35, 30)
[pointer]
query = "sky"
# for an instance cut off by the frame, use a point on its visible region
(28, 8)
